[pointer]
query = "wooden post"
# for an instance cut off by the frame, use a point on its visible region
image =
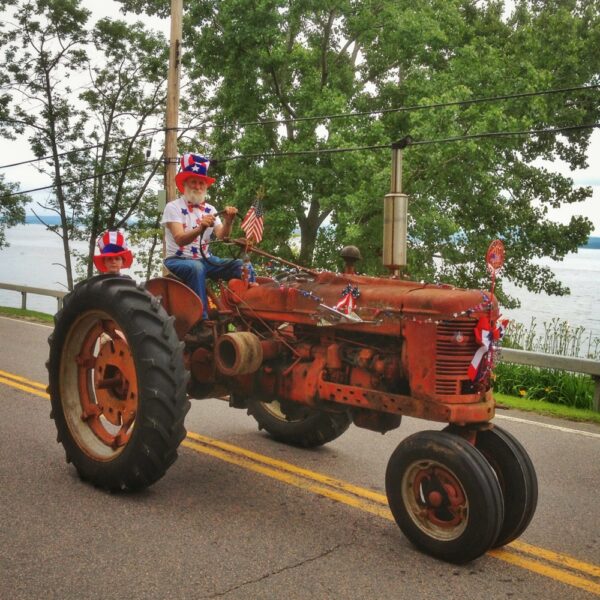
(23, 300)
(172, 114)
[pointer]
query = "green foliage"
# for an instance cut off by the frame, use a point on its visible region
(120, 75)
(274, 59)
(259, 60)
(28, 315)
(551, 385)
(546, 408)
(12, 210)
(146, 236)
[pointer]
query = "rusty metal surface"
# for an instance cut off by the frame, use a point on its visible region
(387, 300)
(406, 405)
(409, 357)
(178, 300)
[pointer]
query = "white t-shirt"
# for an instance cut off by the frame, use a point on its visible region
(179, 211)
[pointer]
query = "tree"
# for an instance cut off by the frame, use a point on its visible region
(126, 95)
(97, 141)
(41, 54)
(11, 204)
(12, 211)
(274, 59)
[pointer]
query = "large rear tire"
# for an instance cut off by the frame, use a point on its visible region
(298, 425)
(444, 496)
(117, 384)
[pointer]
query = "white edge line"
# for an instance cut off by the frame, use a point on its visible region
(550, 426)
(26, 322)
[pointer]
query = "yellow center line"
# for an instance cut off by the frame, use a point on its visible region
(24, 388)
(363, 499)
(563, 560)
(22, 380)
(546, 570)
(285, 466)
(289, 478)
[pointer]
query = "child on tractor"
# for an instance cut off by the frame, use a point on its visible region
(114, 254)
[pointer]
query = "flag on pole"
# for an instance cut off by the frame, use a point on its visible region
(252, 225)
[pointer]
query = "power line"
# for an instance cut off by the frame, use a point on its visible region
(414, 107)
(82, 149)
(474, 136)
(74, 181)
(410, 108)
(493, 134)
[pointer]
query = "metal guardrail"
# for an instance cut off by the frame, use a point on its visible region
(553, 361)
(25, 289)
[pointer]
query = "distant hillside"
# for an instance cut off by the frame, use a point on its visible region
(49, 219)
(53, 220)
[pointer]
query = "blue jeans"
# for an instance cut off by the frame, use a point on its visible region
(194, 271)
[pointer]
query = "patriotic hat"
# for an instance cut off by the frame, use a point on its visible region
(112, 243)
(193, 165)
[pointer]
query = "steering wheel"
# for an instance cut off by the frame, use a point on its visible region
(207, 258)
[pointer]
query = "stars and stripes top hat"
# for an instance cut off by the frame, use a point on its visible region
(193, 165)
(112, 243)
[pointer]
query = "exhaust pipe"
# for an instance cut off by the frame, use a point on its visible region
(395, 214)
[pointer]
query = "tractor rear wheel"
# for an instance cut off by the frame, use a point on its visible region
(517, 478)
(297, 425)
(444, 496)
(117, 384)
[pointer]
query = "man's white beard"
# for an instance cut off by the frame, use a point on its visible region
(195, 196)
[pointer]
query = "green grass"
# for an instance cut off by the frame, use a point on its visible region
(547, 408)
(551, 385)
(28, 315)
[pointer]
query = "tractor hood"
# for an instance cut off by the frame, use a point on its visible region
(373, 297)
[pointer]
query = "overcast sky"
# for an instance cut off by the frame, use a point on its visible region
(29, 178)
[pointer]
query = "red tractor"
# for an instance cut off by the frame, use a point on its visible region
(307, 353)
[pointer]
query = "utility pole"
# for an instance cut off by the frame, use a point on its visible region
(172, 114)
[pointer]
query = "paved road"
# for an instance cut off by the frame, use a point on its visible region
(227, 524)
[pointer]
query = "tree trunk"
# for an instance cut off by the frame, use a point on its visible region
(309, 230)
(64, 223)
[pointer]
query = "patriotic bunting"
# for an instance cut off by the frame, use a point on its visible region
(348, 302)
(488, 334)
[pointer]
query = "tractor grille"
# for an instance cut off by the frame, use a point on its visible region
(454, 355)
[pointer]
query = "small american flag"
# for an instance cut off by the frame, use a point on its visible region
(252, 225)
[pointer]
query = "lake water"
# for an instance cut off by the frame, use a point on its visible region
(35, 255)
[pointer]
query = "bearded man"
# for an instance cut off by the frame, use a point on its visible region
(189, 224)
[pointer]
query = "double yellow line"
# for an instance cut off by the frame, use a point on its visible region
(554, 565)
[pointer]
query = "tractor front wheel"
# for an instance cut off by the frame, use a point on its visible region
(444, 496)
(297, 425)
(117, 384)
(517, 478)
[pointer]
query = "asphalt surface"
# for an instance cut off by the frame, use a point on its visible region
(212, 529)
